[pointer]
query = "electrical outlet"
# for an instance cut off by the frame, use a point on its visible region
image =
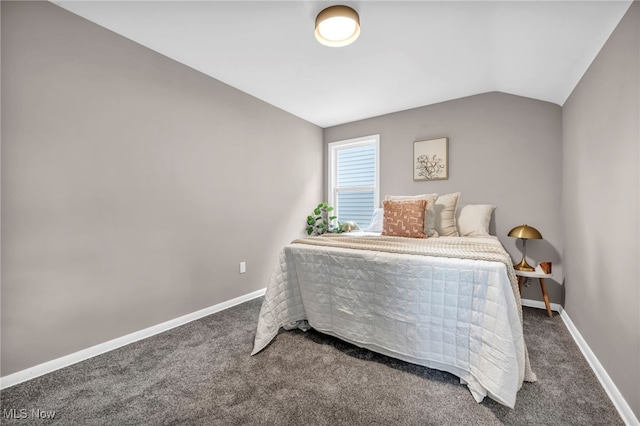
(243, 267)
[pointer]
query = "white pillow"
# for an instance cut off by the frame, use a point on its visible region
(473, 220)
(430, 218)
(376, 221)
(445, 223)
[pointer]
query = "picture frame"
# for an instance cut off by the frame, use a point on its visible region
(431, 159)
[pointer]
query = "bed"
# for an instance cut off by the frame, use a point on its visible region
(448, 303)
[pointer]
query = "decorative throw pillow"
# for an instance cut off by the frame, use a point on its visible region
(404, 218)
(430, 217)
(376, 221)
(473, 220)
(445, 224)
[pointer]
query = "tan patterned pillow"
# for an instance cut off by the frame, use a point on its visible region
(430, 218)
(404, 218)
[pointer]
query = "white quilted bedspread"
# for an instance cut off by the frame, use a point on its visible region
(455, 315)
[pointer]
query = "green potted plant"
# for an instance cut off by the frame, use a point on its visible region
(319, 222)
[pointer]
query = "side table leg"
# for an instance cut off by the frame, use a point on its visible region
(520, 282)
(543, 286)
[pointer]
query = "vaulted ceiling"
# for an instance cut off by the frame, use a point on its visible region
(409, 54)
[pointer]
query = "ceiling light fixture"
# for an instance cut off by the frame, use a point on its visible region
(337, 26)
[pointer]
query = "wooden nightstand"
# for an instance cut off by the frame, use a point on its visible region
(523, 275)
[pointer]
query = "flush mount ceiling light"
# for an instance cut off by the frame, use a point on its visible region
(337, 26)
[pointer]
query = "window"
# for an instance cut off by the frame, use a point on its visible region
(353, 184)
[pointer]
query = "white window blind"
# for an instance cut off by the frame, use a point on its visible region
(353, 178)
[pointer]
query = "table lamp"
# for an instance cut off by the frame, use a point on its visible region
(526, 233)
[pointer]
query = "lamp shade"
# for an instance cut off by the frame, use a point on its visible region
(337, 26)
(525, 232)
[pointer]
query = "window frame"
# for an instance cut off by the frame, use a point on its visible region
(332, 170)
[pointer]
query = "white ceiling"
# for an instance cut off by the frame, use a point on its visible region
(409, 54)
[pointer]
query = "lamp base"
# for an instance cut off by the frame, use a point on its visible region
(524, 266)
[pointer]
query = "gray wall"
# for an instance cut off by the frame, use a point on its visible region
(600, 206)
(132, 186)
(503, 150)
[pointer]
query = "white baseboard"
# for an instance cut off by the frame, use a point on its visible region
(612, 391)
(22, 376)
(610, 388)
(67, 360)
(540, 304)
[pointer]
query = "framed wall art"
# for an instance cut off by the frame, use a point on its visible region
(431, 159)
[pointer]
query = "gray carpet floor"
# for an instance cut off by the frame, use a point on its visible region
(202, 374)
